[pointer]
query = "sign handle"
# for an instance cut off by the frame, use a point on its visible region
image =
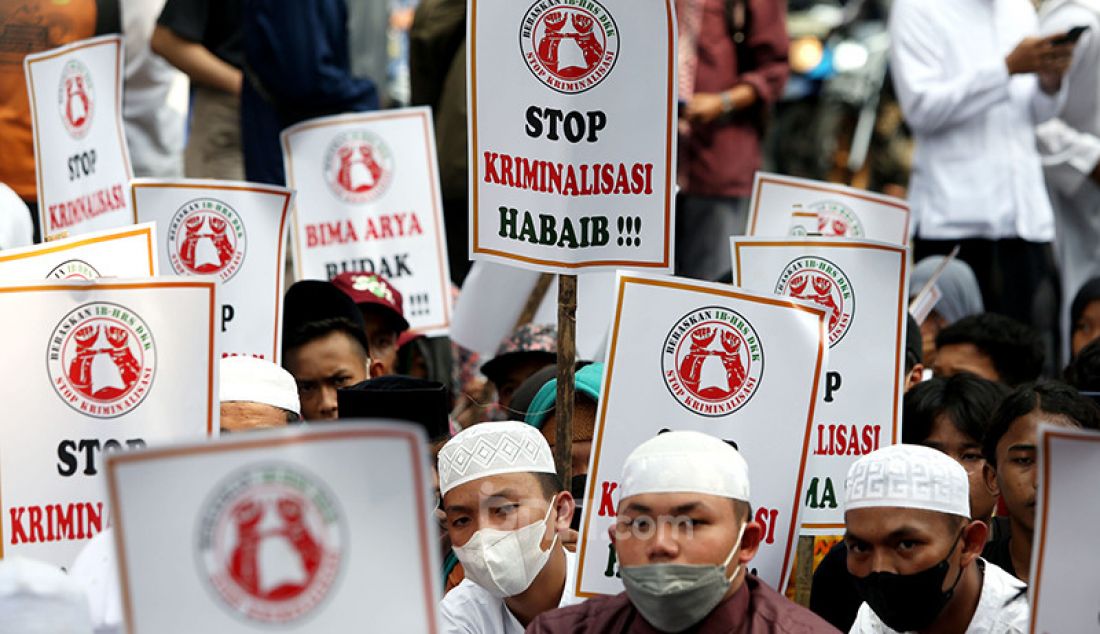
(534, 300)
(567, 358)
(804, 570)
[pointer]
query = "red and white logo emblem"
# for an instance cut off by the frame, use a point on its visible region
(271, 541)
(76, 98)
(570, 46)
(206, 237)
(102, 359)
(835, 219)
(712, 361)
(73, 270)
(358, 166)
(822, 282)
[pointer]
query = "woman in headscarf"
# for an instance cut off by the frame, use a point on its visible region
(960, 296)
(1084, 316)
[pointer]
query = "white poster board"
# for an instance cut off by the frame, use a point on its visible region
(123, 252)
(95, 368)
(740, 366)
(235, 231)
(864, 285)
(572, 128)
(80, 153)
(320, 529)
(1065, 566)
(789, 206)
(368, 200)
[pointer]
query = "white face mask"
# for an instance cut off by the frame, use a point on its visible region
(506, 562)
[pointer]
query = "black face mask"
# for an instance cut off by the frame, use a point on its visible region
(907, 603)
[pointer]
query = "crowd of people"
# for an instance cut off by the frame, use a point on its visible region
(1003, 103)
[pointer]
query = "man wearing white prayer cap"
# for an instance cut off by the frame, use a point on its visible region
(914, 552)
(256, 394)
(39, 598)
(684, 537)
(506, 511)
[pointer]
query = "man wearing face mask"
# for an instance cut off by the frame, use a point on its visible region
(684, 537)
(914, 552)
(506, 511)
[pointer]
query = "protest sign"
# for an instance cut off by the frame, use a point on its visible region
(485, 316)
(232, 230)
(368, 200)
(784, 205)
(572, 145)
(96, 367)
(864, 285)
(124, 252)
(304, 530)
(80, 153)
(1062, 592)
(740, 366)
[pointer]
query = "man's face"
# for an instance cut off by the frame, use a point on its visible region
(322, 366)
(1087, 328)
(248, 416)
(906, 541)
(584, 417)
(514, 375)
(383, 341)
(505, 502)
(967, 451)
(1016, 472)
(956, 358)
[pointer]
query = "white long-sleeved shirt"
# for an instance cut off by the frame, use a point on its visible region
(976, 170)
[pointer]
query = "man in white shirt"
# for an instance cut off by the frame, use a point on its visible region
(973, 85)
(1070, 146)
(914, 553)
(506, 513)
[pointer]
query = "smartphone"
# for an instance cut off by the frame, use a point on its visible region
(1071, 36)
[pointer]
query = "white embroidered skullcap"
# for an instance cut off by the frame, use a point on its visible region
(257, 381)
(39, 598)
(908, 476)
(489, 449)
(685, 462)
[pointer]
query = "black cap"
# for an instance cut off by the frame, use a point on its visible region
(311, 301)
(398, 397)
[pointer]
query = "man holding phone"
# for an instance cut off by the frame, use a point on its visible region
(1070, 146)
(973, 82)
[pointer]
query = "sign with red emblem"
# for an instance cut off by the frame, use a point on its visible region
(236, 232)
(301, 530)
(572, 134)
(99, 367)
(80, 151)
(125, 252)
(740, 366)
(789, 206)
(864, 287)
(368, 200)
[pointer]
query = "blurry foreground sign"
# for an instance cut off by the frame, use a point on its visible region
(124, 252)
(321, 530)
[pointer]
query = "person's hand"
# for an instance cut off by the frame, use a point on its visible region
(704, 107)
(1040, 55)
(1054, 66)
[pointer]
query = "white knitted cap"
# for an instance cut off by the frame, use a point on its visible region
(908, 476)
(685, 462)
(39, 598)
(491, 449)
(257, 381)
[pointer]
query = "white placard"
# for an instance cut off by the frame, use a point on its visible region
(94, 368)
(865, 287)
(80, 153)
(313, 529)
(235, 231)
(572, 133)
(123, 252)
(788, 206)
(693, 355)
(484, 316)
(368, 200)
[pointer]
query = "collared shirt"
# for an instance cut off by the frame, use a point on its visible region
(976, 169)
(470, 609)
(1002, 607)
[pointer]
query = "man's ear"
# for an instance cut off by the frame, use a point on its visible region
(973, 541)
(566, 506)
(375, 369)
(989, 474)
(750, 542)
(916, 375)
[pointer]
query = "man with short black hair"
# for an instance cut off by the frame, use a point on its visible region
(991, 346)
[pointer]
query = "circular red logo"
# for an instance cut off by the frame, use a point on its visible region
(76, 98)
(712, 361)
(206, 237)
(825, 284)
(836, 219)
(101, 359)
(271, 541)
(358, 166)
(73, 270)
(569, 46)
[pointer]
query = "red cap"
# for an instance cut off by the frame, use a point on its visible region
(370, 288)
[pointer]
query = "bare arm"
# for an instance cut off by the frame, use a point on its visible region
(196, 61)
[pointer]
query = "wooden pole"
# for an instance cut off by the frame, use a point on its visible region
(567, 361)
(804, 571)
(534, 299)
